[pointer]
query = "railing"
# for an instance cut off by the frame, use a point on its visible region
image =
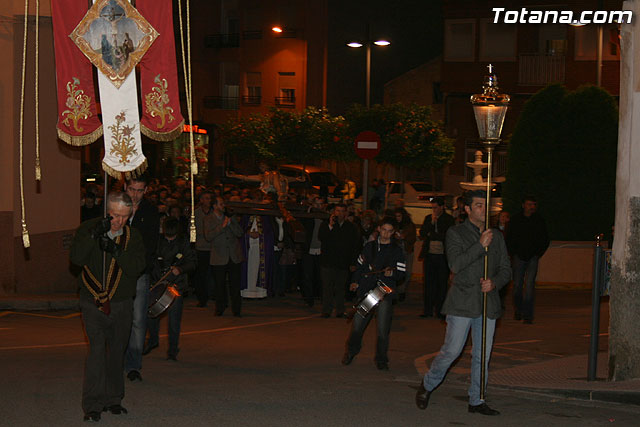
(540, 70)
(222, 40)
(251, 100)
(221, 102)
(285, 101)
(252, 35)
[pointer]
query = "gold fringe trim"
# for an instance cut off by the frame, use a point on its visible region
(192, 228)
(162, 136)
(125, 175)
(81, 140)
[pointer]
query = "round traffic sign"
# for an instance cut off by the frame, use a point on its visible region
(367, 144)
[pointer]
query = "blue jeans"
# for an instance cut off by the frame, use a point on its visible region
(133, 359)
(383, 322)
(524, 285)
(454, 341)
(174, 315)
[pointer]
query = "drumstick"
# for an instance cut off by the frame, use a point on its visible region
(178, 258)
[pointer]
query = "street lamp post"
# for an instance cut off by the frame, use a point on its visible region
(489, 108)
(367, 44)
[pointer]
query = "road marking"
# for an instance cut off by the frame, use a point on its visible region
(48, 316)
(206, 331)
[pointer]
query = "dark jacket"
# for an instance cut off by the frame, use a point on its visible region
(527, 236)
(166, 256)
(340, 246)
(85, 251)
(436, 232)
(465, 256)
(147, 221)
(374, 257)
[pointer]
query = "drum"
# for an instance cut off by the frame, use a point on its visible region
(372, 299)
(161, 296)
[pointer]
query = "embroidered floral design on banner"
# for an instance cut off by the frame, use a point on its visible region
(157, 102)
(123, 144)
(78, 104)
(115, 37)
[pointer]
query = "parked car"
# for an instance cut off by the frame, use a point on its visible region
(414, 192)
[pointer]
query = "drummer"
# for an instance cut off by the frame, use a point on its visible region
(381, 260)
(174, 254)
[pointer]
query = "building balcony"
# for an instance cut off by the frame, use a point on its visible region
(222, 40)
(540, 70)
(221, 102)
(251, 100)
(286, 102)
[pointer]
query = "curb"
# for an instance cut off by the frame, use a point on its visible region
(622, 397)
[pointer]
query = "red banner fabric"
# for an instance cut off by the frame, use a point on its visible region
(78, 122)
(161, 118)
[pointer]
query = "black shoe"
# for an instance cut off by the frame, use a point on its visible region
(483, 409)
(172, 357)
(134, 375)
(422, 397)
(201, 304)
(517, 316)
(347, 358)
(237, 314)
(426, 315)
(339, 315)
(326, 315)
(528, 321)
(116, 409)
(382, 366)
(219, 313)
(147, 349)
(93, 416)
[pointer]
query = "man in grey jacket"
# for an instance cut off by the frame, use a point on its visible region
(224, 233)
(466, 245)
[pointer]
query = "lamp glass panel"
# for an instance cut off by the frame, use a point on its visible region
(490, 119)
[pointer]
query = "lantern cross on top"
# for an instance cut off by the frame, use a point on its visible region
(490, 67)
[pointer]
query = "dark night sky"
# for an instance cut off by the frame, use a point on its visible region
(414, 28)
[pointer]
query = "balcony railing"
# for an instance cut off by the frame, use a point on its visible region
(252, 34)
(221, 102)
(540, 70)
(286, 101)
(251, 100)
(222, 40)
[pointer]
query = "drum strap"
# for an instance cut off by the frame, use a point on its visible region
(102, 294)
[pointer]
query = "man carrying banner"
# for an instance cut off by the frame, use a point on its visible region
(107, 307)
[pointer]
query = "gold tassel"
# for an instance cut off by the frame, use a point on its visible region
(194, 168)
(38, 170)
(25, 235)
(192, 228)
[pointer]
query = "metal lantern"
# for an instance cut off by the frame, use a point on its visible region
(490, 108)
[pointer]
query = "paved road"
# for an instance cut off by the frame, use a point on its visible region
(279, 365)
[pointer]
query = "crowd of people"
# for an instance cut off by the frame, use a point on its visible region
(272, 245)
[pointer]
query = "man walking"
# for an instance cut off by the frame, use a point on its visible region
(145, 219)
(203, 250)
(384, 256)
(467, 244)
(107, 307)
(527, 240)
(435, 268)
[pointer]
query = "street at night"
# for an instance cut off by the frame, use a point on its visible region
(280, 365)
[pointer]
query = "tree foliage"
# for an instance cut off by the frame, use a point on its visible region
(563, 151)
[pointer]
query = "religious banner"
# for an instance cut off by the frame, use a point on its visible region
(161, 118)
(78, 122)
(114, 36)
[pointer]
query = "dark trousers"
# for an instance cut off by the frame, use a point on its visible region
(174, 316)
(436, 275)
(220, 273)
(312, 284)
(524, 285)
(283, 274)
(203, 277)
(384, 312)
(108, 336)
(333, 288)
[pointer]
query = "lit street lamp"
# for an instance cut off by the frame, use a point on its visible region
(367, 44)
(489, 108)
